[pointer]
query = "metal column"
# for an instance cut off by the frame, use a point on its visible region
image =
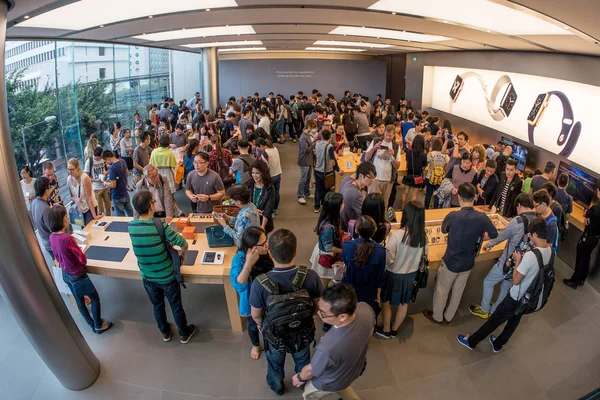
(210, 78)
(25, 281)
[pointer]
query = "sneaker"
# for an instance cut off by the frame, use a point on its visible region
(87, 300)
(276, 212)
(393, 334)
(572, 284)
(492, 340)
(105, 326)
(476, 310)
(301, 200)
(464, 340)
(382, 334)
(311, 196)
(166, 337)
(185, 339)
(317, 210)
(294, 140)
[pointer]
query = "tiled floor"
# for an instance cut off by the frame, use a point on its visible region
(554, 354)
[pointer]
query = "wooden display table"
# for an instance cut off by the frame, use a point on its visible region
(433, 221)
(354, 160)
(576, 217)
(197, 273)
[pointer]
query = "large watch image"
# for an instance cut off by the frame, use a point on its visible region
(570, 130)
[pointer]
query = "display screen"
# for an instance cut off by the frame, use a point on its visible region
(519, 153)
(209, 257)
(581, 184)
(531, 118)
(456, 87)
(509, 100)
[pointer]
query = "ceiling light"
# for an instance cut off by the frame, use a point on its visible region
(197, 32)
(26, 17)
(386, 33)
(333, 49)
(238, 49)
(101, 26)
(150, 16)
(355, 44)
(393, 13)
(481, 14)
(224, 44)
(100, 12)
(207, 10)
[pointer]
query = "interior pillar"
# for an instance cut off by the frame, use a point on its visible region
(210, 78)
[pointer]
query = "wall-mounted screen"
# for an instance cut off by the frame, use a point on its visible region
(556, 115)
(581, 184)
(519, 152)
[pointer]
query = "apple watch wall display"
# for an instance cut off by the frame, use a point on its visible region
(503, 85)
(570, 130)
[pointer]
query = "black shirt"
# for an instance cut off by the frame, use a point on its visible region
(465, 229)
(593, 228)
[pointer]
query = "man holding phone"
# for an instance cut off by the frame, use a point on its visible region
(385, 155)
(461, 142)
(204, 187)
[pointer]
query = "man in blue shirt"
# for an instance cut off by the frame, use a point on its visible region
(466, 229)
(117, 181)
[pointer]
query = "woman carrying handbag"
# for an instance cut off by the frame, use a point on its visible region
(416, 161)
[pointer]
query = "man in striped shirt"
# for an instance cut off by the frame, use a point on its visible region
(156, 266)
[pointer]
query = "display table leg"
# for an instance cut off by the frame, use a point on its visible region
(232, 306)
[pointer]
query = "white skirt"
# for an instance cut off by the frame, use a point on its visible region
(335, 272)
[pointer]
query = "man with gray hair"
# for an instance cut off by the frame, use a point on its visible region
(155, 184)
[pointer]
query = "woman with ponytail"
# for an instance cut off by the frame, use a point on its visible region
(365, 263)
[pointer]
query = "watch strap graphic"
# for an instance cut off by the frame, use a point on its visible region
(466, 76)
(497, 113)
(570, 130)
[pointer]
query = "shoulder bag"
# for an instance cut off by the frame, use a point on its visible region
(176, 259)
(422, 274)
(329, 176)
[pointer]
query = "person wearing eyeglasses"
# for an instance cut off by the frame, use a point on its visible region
(155, 184)
(204, 187)
(340, 357)
(542, 202)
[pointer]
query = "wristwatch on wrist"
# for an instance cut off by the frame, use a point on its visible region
(507, 102)
(570, 130)
(209, 197)
(300, 378)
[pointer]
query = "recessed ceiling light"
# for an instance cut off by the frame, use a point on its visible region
(208, 9)
(394, 13)
(225, 44)
(197, 32)
(445, 22)
(102, 12)
(334, 49)
(355, 44)
(481, 14)
(150, 16)
(101, 26)
(26, 17)
(238, 49)
(387, 33)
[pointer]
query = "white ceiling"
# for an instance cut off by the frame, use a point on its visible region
(295, 25)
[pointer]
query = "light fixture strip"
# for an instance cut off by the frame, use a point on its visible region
(241, 49)
(198, 33)
(224, 44)
(338, 49)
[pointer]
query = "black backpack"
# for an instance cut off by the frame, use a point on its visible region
(289, 324)
(537, 294)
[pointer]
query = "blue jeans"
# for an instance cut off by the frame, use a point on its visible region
(276, 363)
(172, 291)
(277, 185)
(495, 276)
(429, 193)
(123, 207)
(82, 286)
(303, 185)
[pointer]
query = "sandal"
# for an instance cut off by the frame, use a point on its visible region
(255, 352)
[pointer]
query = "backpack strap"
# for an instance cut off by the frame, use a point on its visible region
(270, 286)
(300, 277)
(538, 255)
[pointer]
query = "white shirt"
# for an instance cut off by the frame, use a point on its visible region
(274, 161)
(265, 123)
(158, 205)
(529, 267)
(382, 160)
(401, 258)
(28, 190)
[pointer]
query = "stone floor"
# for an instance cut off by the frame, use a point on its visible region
(554, 354)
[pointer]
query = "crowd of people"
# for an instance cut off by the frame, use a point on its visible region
(360, 267)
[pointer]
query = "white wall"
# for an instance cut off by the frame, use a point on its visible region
(185, 74)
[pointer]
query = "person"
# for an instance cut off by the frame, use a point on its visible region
(416, 161)
(460, 148)
(406, 248)
(325, 164)
(413, 132)
(188, 158)
(97, 170)
(541, 199)
(72, 263)
(557, 211)
(40, 206)
(264, 121)
(283, 249)
(354, 188)
(329, 234)
(27, 185)
(80, 189)
(524, 274)
(156, 267)
(502, 159)
(408, 125)
(141, 157)
(262, 194)
(562, 197)
(248, 215)
(528, 175)
(508, 190)
(48, 172)
(516, 236)
(127, 150)
(275, 170)
(163, 198)
(586, 245)
(117, 181)
(219, 157)
(373, 206)
(305, 160)
(547, 176)
(361, 121)
(203, 186)
(365, 263)
(115, 139)
(385, 155)
(241, 167)
(435, 173)
(478, 157)
(459, 174)
(164, 159)
(340, 357)
(487, 183)
(251, 260)
(466, 229)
